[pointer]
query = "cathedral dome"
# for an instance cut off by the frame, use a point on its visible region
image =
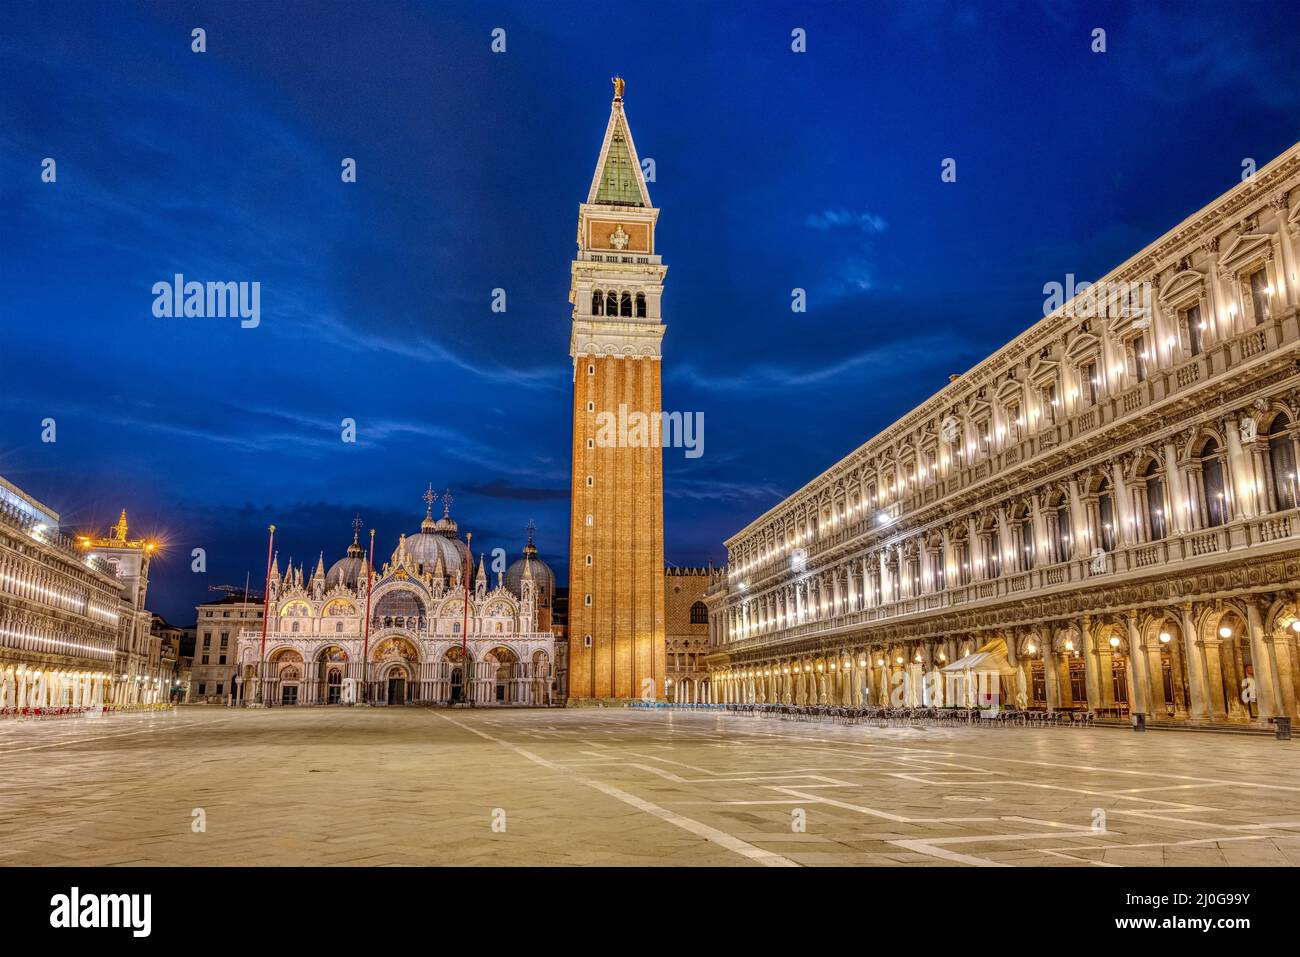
(346, 571)
(427, 547)
(543, 577)
(351, 566)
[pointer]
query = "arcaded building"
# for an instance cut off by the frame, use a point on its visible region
(1103, 515)
(686, 632)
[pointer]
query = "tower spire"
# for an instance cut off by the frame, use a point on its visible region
(616, 345)
(618, 180)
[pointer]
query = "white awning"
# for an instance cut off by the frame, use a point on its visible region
(993, 660)
(970, 662)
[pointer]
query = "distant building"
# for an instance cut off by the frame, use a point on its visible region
(172, 655)
(560, 628)
(686, 627)
(73, 628)
(217, 625)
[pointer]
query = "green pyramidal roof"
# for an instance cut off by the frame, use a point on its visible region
(618, 177)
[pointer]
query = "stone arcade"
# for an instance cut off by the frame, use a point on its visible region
(1102, 516)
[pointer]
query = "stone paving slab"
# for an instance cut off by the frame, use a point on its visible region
(408, 786)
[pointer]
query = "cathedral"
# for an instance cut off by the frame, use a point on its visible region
(412, 631)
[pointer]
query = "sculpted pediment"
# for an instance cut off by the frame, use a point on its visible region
(1244, 248)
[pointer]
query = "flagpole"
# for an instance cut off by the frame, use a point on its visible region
(464, 628)
(266, 609)
(365, 651)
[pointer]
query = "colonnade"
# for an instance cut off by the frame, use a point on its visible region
(522, 683)
(1232, 660)
(29, 687)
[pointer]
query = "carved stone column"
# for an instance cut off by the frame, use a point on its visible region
(1139, 664)
(1198, 708)
(1266, 691)
(1091, 665)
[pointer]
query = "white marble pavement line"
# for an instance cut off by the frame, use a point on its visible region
(721, 838)
(65, 742)
(935, 846)
(926, 754)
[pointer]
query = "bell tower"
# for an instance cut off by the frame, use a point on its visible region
(616, 543)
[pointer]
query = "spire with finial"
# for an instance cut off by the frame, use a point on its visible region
(530, 550)
(446, 525)
(482, 569)
(619, 180)
(355, 550)
(320, 566)
(429, 498)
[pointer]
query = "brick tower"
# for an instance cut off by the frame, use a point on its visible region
(616, 544)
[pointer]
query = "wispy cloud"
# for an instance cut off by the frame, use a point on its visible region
(518, 493)
(715, 490)
(829, 219)
(774, 377)
(853, 266)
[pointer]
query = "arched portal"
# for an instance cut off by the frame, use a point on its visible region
(459, 673)
(396, 683)
(285, 676)
(506, 675)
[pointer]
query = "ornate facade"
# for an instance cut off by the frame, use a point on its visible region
(1102, 515)
(416, 647)
(616, 543)
(686, 624)
(74, 631)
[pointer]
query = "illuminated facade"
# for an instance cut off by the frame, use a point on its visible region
(616, 541)
(686, 627)
(1102, 515)
(319, 650)
(73, 628)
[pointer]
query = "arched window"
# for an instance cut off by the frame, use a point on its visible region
(625, 305)
(1106, 514)
(1060, 530)
(611, 303)
(993, 553)
(597, 302)
(1027, 541)
(699, 613)
(640, 305)
(1157, 520)
(1216, 496)
(1281, 454)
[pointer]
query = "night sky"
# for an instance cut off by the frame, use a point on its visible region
(774, 170)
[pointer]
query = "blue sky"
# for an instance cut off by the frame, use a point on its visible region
(774, 170)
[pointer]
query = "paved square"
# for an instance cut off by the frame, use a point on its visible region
(414, 786)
